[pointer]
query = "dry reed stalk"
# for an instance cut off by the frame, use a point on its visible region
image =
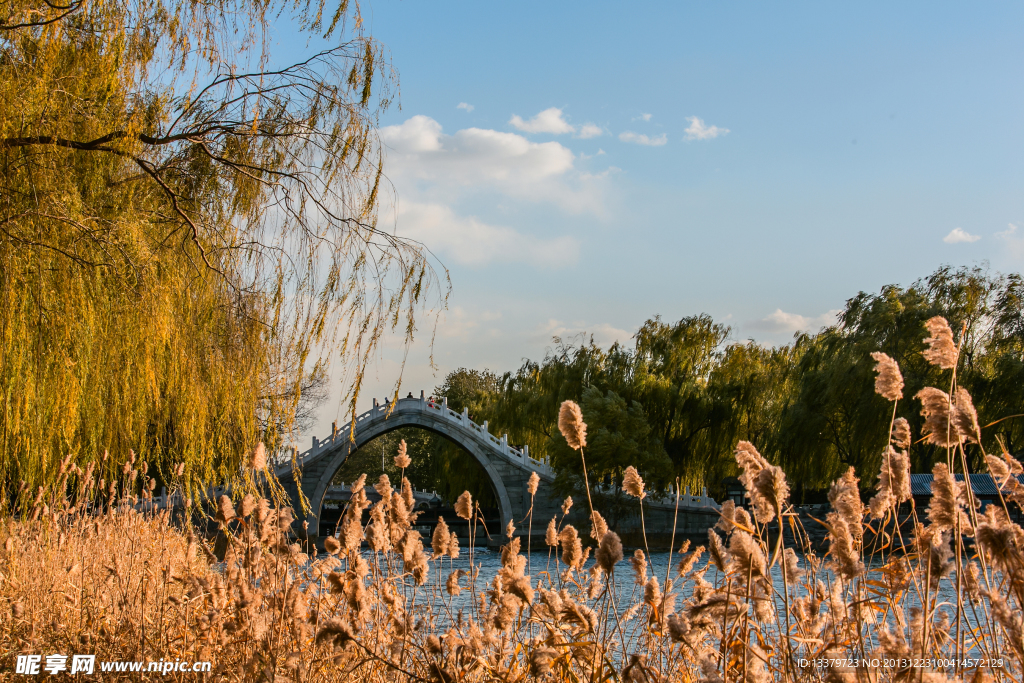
(574, 430)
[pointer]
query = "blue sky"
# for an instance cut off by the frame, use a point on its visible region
(761, 163)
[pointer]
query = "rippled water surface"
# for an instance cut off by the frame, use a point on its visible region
(544, 565)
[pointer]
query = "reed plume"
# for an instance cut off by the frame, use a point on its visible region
(257, 460)
(899, 435)
(767, 496)
(889, 382)
(893, 482)
(541, 658)
(940, 429)
(998, 469)
(225, 510)
(551, 535)
(632, 483)
(944, 506)
(452, 583)
(719, 555)
(609, 552)
(383, 487)
(464, 506)
(747, 555)
(598, 527)
(966, 417)
(652, 592)
(402, 460)
(772, 486)
(639, 563)
(1002, 541)
(791, 567)
(845, 531)
(441, 540)
(941, 351)
(572, 547)
(332, 545)
(246, 507)
(688, 560)
(572, 426)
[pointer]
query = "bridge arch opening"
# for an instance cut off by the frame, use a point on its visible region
(508, 469)
(440, 471)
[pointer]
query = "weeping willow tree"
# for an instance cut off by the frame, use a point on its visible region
(188, 231)
(648, 406)
(685, 390)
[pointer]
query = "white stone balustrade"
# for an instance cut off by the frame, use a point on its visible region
(521, 457)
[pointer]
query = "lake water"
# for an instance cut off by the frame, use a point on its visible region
(543, 565)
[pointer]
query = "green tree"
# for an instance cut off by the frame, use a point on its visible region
(835, 419)
(526, 402)
(750, 388)
(618, 436)
(467, 389)
(809, 406)
(672, 366)
(999, 387)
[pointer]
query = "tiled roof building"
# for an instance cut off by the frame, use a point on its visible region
(983, 486)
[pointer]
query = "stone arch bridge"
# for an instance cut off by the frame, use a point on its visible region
(508, 468)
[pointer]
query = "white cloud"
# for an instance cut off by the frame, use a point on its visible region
(957, 235)
(640, 139)
(443, 182)
(470, 241)
(431, 166)
(1013, 240)
(642, 117)
(418, 134)
(474, 153)
(458, 323)
(698, 130)
(780, 321)
(465, 105)
(589, 130)
(1009, 233)
(547, 121)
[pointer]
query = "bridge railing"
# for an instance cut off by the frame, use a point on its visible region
(501, 445)
(422, 404)
(346, 489)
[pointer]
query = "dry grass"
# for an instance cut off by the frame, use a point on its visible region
(129, 585)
